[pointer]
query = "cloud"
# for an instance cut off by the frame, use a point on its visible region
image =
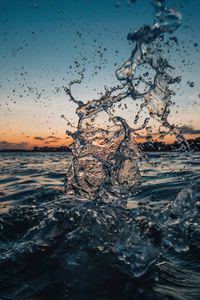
(189, 130)
(49, 142)
(53, 138)
(39, 138)
(10, 145)
(50, 137)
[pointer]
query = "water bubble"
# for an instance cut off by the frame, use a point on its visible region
(191, 84)
(117, 4)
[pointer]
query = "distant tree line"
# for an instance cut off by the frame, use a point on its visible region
(188, 145)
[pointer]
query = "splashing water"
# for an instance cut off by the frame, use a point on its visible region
(105, 160)
(64, 249)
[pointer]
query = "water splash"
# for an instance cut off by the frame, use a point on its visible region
(90, 243)
(63, 249)
(105, 158)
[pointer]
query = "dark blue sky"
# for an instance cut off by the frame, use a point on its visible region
(41, 41)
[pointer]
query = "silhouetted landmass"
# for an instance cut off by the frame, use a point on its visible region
(194, 145)
(52, 149)
(190, 145)
(40, 149)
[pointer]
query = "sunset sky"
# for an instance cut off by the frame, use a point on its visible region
(44, 43)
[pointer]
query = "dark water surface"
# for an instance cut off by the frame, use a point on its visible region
(53, 247)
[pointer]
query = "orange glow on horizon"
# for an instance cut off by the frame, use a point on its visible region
(28, 142)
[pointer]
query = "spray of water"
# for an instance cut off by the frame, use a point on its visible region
(105, 160)
(64, 247)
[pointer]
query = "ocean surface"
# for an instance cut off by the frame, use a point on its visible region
(56, 247)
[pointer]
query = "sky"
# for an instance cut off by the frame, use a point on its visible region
(45, 43)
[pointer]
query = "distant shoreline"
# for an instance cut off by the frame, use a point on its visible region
(193, 145)
(33, 151)
(55, 151)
